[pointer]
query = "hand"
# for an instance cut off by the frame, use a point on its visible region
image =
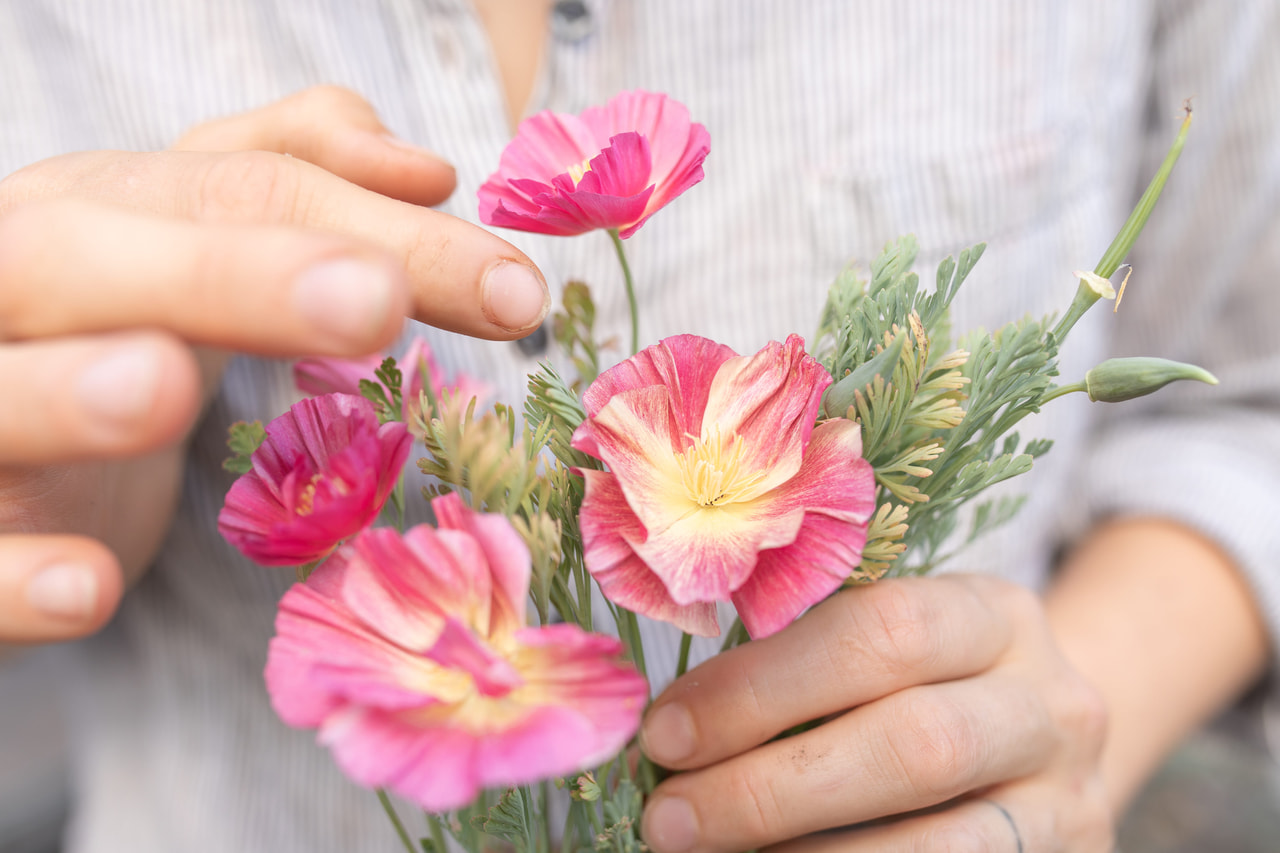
(949, 718)
(126, 280)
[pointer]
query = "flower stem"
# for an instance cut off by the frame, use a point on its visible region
(395, 820)
(682, 663)
(1062, 391)
(437, 833)
(1123, 242)
(631, 289)
(629, 628)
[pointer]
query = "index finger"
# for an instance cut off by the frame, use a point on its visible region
(462, 278)
(862, 644)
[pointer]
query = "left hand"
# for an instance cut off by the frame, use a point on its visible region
(951, 720)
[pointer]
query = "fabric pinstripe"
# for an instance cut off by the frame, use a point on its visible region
(836, 125)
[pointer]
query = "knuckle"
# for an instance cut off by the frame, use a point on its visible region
(326, 100)
(250, 185)
(757, 805)
(896, 628)
(1079, 709)
(938, 745)
(427, 253)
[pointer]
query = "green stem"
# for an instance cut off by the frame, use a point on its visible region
(1062, 391)
(395, 820)
(631, 289)
(544, 812)
(437, 832)
(1085, 296)
(629, 628)
(682, 663)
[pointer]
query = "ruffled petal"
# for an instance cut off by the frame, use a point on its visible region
(505, 553)
(433, 767)
(684, 365)
(770, 400)
(408, 586)
(609, 528)
(323, 474)
(837, 488)
(320, 375)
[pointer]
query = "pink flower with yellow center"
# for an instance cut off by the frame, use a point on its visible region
(323, 474)
(411, 656)
(719, 485)
(611, 167)
(321, 375)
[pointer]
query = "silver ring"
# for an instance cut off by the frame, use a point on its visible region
(1017, 836)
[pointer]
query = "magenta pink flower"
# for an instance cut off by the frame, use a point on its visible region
(322, 475)
(719, 485)
(411, 656)
(611, 167)
(320, 375)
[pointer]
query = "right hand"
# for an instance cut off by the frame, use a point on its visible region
(126, 280)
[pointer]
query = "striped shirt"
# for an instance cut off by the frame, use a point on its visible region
(836, 125)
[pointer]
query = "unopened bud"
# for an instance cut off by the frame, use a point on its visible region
(1119, 379)
(585, 788)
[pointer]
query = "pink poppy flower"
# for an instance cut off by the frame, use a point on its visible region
(323, 474)
(411, 656)
(611, 167)
(719, 485)
(320, 375)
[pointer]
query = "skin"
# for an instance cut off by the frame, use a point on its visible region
(129, 278)
(949, 702)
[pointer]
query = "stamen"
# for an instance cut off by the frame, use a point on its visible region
(579, 171)
(713, 474)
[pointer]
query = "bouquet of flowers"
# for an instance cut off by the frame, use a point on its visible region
(458, 665)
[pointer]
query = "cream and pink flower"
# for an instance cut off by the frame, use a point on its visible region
(719, 486)
(322, 475)
(323, 375)
(411, 656)
(611, 167)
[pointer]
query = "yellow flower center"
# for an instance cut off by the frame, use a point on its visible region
(714, 474)
(579, 171)
(307, 498)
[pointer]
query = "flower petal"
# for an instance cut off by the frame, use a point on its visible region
(407, 586)
(608, 529)
(837, 488)
(635, 169)
(433, 767)
(505, 553)
(323, 473)
(770, 399)
(323, 375)
(684, 365)
(323, 656)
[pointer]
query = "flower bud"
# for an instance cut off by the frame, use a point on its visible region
(1119, 379)
(585, 788)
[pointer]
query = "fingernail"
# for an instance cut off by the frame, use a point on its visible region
(514, 296)
(64, 591)
(670, 825)
(346, 298)
(667, 734)
(121, 386)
